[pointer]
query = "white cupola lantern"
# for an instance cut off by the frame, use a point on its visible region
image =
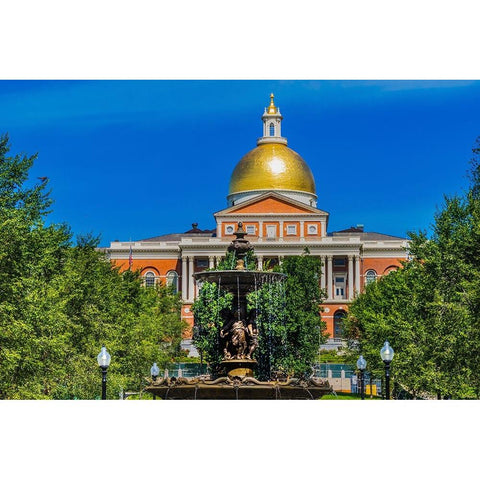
(272, 125)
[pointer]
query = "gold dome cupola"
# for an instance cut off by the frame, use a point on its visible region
(272, 166)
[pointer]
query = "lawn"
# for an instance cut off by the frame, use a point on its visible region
(347, 396)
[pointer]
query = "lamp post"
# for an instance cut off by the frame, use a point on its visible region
(387, 356)
(362, 365)
(103, 359)
(154, 371)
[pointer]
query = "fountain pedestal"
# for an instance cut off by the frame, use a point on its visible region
(239, 368)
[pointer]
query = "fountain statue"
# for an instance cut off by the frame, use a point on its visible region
(239, 341)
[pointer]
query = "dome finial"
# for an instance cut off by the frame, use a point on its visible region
(272, 108)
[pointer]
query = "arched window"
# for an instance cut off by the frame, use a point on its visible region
(390, 269)
(149, 279)
(370, 276)
(272, 130)
(172, 280)
(338, 324)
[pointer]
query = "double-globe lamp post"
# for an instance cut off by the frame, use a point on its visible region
(103, 359)
(387, 356)
(362, 365)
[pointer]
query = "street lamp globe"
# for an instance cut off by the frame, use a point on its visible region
(103, 358)
(361, 363)
(154, 371)
(387, 352)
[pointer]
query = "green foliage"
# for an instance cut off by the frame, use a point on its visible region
(229, 262)
(331, 356)
(208, 311)
(303, 299)
(430, 310)
(59, 303)
(272, 353)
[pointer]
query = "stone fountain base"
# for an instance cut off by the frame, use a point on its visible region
(237, 388)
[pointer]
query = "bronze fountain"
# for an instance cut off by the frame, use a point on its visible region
(239, 337)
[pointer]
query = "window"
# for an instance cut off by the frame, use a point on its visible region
(149, 279)
(291, 229)
(390, 269)
(370, 276)
(339, 262)
(338, 324)
(250, 229)
(312, 229)
(271, 231)
(172, 280)
(202, 263)
(272, 130)
(229, 229)
(339, 287)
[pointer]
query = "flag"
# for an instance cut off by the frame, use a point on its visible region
(130, 258)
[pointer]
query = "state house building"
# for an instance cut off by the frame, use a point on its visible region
(272, 191)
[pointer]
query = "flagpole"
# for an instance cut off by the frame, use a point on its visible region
(130, 256)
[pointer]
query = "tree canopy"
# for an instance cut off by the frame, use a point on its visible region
(429, 310)
(60, 301)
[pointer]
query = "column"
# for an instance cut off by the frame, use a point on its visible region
(350, 277)
(191, 284)
(219, 229)
(322, 277)
(210, 262)
(302, 229)
(357, 273)
(260, 262)
(281, 229)
(260, 229)
(218, 259)
(280, 259)
(184, 279)
(330, 277)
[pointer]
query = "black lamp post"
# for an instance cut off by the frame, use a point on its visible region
(362, 365)
(103, 359)
(154, 371)
(387, 356)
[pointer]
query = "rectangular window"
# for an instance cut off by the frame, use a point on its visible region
(291, 229)
(339, 292)
(250, 229)
(202, 263)
(339, 279)
(339, 262)
(271, 231)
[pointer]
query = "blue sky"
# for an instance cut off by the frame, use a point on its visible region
(136, 159)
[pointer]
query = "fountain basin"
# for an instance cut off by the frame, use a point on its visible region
(238, 388)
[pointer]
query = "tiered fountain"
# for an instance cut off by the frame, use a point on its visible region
(239, 342)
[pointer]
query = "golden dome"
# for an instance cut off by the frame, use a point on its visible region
(272, 166)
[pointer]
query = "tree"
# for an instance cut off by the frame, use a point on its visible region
(305, 330)
(429, 310)
(59, 303)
